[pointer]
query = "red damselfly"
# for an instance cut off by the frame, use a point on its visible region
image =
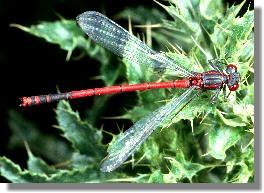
(119, 41)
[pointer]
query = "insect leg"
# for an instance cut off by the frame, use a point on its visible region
(224, 91)
(216, 64)
(215, 96)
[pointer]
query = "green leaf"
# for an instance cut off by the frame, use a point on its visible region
(198, 105)
(65, 33)
(137, 14)
(183, 16)
(135, 73)
(156, 177)
(81, 161)
(85, 175)
(37, 165)
(51, 147)
(220, 139)
(181, 168)
(83, 137)
(147, 102)
(69, 36)
(110, 70)
(211, 8)
(13, 173)
(152, 152)
(240, 168)
(231, 122)
(224, 132)
(239, 31)
(243, 176)
(93, 114)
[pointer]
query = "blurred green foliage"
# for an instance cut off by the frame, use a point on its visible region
(203, 143)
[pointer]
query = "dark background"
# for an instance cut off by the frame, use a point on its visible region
(31, 66)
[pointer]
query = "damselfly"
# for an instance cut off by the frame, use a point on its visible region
(119, 41)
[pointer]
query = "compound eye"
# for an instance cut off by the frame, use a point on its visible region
(233, 87)
(231, 68)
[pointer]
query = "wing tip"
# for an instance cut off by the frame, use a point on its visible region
(109, 166)
(86, 14)
(106, 169)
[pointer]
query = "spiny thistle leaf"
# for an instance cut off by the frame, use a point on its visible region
(181, 168)
(152, 152)
(240, 168)
(235, 122)
(156, 177)
(220, 139)
(211, 8)
(38, 165)
(138, 14)
(69, 36)
(65, 33)
(13, 173)
(83, 137)
(201, 136)
(51, 147)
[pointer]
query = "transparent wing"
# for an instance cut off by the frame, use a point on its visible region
(119, 41)
(131, 139)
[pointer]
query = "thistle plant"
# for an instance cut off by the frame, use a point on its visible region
(202, 143)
